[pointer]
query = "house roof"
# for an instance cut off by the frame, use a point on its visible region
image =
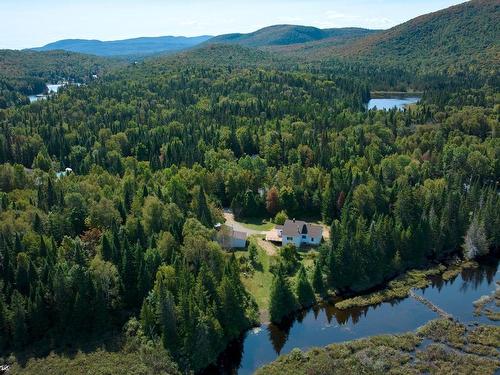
(294, 228)
(239, 235)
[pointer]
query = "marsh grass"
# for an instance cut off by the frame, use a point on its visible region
(400, 354)
(396, 289)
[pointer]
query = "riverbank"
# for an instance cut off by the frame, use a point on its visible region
(258, 283)
(401, 286)
(440, 346)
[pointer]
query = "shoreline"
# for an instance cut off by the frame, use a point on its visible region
(398, 287)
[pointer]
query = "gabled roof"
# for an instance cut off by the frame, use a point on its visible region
(293, 228)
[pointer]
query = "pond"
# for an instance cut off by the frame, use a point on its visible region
(386, 104)
(324, 324)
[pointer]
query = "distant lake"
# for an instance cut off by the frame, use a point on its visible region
(52, 88)
(390, 103)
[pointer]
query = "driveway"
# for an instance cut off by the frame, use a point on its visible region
(228, 215)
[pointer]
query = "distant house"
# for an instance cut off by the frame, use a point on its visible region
(229, 238)
(64, 173)
(296, 232)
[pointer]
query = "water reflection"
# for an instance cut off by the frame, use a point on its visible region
(387, 104)
(455, 296)
(324, 324)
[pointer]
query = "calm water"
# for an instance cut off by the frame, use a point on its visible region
(51, 89)
(325, 324)
(391, 103)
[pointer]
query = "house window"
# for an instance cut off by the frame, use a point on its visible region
(304, 236)
(312, 239)
(289, 238)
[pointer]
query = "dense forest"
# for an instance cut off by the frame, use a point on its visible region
(25, 73)
(126, 241)
(156, 157)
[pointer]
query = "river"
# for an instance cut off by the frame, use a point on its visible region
(324, 324)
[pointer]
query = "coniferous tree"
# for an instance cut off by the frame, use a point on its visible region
(3, 319)
(282, 300)
(18, 325)
(303, 289)
(318, 283)
(202, 211)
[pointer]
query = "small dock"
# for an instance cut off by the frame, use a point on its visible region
(432, 306)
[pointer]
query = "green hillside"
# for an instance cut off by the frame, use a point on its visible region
(460, 38)
(284, 35)
(218, 55)
(465, 36)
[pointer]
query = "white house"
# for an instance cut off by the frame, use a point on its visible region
(297, 233)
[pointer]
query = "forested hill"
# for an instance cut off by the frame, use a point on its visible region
(128, 47)
(465, 36)
(208, 55)
(282, 35)
(52, 65)
(26, 72)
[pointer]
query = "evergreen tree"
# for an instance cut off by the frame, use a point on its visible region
(303, 289)
(18, 324)
(252, 254)
(106, 248)
(168, 322)
(318, 284)
(202, 211)
(282, 299)
(3, 319)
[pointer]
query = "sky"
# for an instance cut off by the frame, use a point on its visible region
(33, 23)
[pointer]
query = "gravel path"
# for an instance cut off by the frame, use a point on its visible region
(268, 247)
(238, 226)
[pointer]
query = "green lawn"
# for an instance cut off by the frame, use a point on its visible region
(258, 224)
(259, 282)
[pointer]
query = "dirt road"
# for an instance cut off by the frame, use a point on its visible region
(238, 226)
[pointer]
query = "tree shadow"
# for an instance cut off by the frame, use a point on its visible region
(258, 267)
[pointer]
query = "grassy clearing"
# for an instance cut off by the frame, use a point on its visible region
(259, 280)
(258, 224)
(258, 283)
(399, 354)
(398, 288)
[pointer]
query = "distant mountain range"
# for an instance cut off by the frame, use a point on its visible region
(455, 38)
(127, 47)
(284, 35)
(278, 35)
